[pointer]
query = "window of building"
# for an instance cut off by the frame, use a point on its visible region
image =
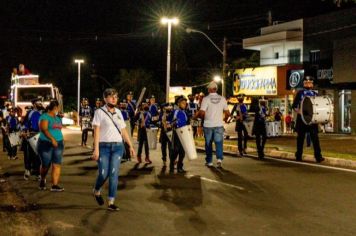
(276, 55)
(294, 56)
(314, 56)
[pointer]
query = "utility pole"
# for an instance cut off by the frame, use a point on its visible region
(223, 88)
(270, 17)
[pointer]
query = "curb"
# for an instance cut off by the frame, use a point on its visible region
(274, 153)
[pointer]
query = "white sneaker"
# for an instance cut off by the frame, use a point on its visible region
(27, 175)
(210, 164)
(219, 163)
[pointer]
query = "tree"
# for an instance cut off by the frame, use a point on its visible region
(134, 80)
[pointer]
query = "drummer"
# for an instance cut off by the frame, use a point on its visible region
(131, 108)
(165, 125)
(11, 127)
(31, 159)
(125, 115)
(179, 120)
(153, 109)
(144, 121)
(301, 127)
(86, 114)
(240, 128)
(192, 108)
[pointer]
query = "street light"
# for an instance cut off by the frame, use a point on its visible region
(169, 22)
(78, 61)
(223, 53)
(217, 78)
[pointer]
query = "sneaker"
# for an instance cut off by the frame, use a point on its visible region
(42, 185)
(99, 199)
(27, 175)
(139, 160)
(147, 160)
(244, 151)
(14, 158)
(209, 164)
(320, 159)
(181, 170)
(240, 154)
(112, 207)
(218, 164)
(56, 188)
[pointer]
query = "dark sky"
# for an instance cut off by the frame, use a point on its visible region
(47, 35)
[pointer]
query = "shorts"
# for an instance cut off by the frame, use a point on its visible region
(49, 154)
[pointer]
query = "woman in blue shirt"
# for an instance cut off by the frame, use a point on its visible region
(50, 145)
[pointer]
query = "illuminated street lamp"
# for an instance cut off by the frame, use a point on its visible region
(169, 22)
(217, 78)
(78, 61)
(223, 53)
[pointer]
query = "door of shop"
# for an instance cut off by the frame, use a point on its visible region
(345, 110)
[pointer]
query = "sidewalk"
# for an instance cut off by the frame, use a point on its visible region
(337, 149)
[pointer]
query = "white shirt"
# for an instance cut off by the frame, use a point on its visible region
(214, 105)
(108, 131)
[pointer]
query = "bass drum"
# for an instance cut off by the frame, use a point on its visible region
(316, 110)
(185, 135)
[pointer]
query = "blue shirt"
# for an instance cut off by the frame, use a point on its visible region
(125, 114)
(153, 110)
(192, 108)
(12, 121)
(131, 107)
(147, 116)
(32, 122)
(260, 115)
(242, 107)
(181, 118)
(54, 127)
(300, 95)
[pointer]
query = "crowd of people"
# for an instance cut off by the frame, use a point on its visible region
(113, 123)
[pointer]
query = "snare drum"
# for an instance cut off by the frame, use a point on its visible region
(185, 135)
(316, 110)
(86, 123)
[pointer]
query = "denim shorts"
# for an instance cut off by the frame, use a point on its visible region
(49, 154)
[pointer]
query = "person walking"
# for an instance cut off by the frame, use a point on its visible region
(301, 127)
(259, 125)
(50, 146)
(241, 115)
(212, 109)
(109, 134)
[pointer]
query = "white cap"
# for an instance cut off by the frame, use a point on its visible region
(212, 85)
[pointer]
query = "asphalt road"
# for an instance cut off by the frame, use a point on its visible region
(246, 197)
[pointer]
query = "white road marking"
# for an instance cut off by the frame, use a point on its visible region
(217, 182)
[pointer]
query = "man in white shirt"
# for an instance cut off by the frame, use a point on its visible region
(212, 109)
(109, 134)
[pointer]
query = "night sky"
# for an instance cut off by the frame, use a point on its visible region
(46, 35)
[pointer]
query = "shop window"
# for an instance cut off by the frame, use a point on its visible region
(294, 56)
(314, 56)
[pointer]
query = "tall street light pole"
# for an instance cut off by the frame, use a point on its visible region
(79, 62)
(222, 52)
(169, 22)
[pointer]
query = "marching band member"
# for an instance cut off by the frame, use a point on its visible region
(126, 116)
(179, 119)
(165, 127)
(301, 127)
(85, 120)
(153, 109)
(31, 159)
(259, 126)
(98, 104)
(11, 127)
(131, 109)
(144, 121)
(241, 111)
(192, 108)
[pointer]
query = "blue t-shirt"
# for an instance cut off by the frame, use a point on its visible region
(181, 118)
(153, 110)
(33, 119)
(54, 127)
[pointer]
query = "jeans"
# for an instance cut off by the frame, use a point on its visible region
(215, 134)
(241, 128)
(110, 155)
(143, 141)
(49, 154)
